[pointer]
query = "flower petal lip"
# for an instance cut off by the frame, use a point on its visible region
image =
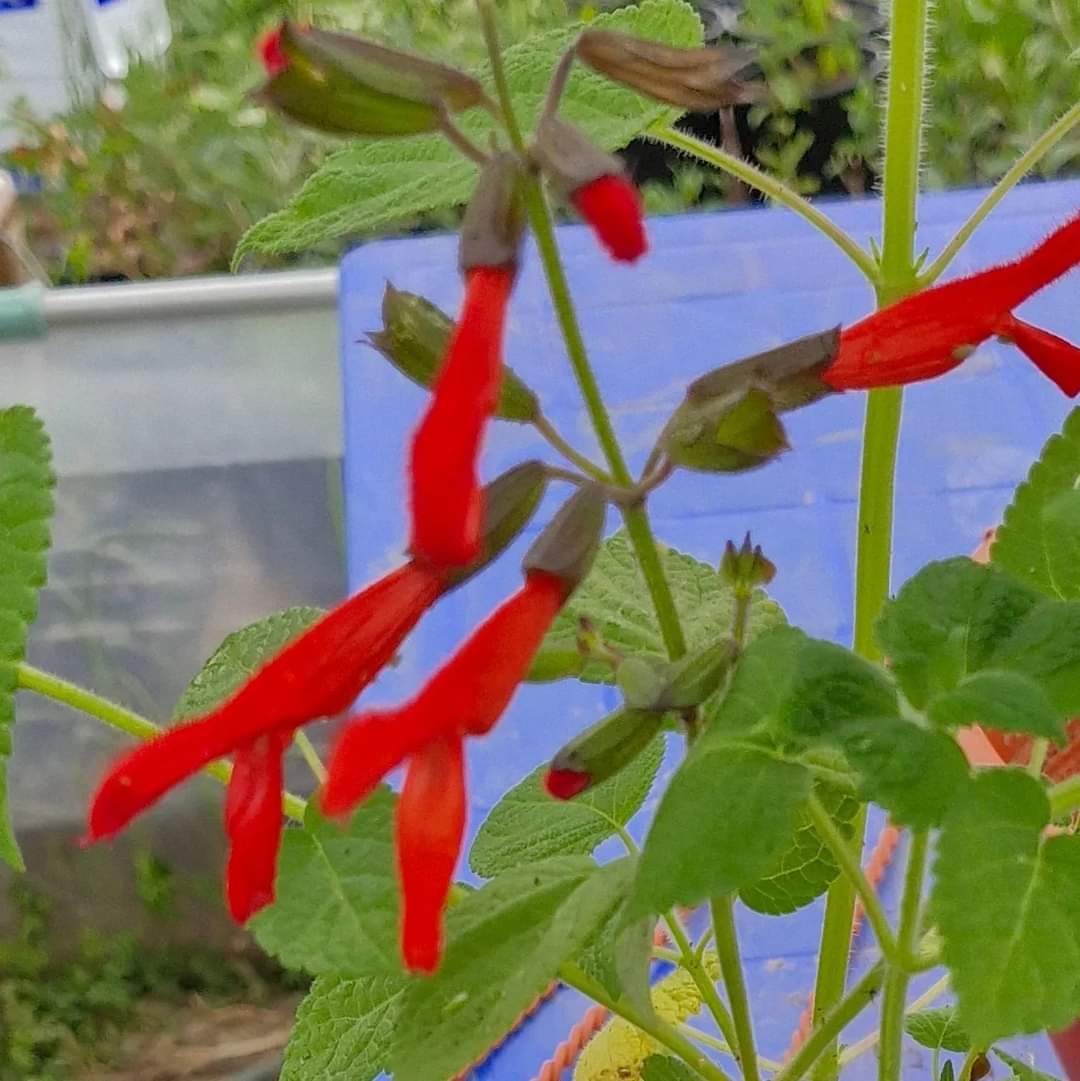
(430, 826)
(254, 823)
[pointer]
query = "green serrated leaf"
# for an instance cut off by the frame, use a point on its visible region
(1025, 544)
(665, 1068)
(914, 773)
(831, 684)
(337, 895)
(806, 868)
(1021, 1070)
(1061, 528)
(528, 825)
(26, 506)
(1006, 902)
(344, 1029)
(937, 1029)
(1005, 701)
(788, 684)
(369, 186)
(504, 946)
(239, 657)
(946, 621)
(723, 823)
(1045, 646)
(615, 599)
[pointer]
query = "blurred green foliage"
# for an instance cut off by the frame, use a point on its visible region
(164, 177)
(57, 1017)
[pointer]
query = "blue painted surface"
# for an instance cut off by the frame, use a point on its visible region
(715, 287)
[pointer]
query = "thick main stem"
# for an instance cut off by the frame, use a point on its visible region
(881, 432)
(727, 949)
(122, 719)
(897, 976)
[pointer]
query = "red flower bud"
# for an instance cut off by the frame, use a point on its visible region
(430, 826)
(272, 53)
(447, 502)
(253, 824)
(318, 674)
(930, 333)
(566, 783)
(612, 206)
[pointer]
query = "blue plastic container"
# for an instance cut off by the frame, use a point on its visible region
(715, 287)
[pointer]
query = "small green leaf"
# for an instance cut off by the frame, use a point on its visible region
(831, 684)
(1028, 544)
(665, 1068)
(527, 825)
(1006, 902)
(371, 185)
(788, 684)
(344, 1029)
(614, 597)
(806, 868)
(946, 621)
(1021, 1070)
(240, 656)
(937, 1029)
(1005, 701)
(724, 822)
(914, 773)
(504, 946)
(337, 895)
(26, 506)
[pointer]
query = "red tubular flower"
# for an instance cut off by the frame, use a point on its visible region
(447, 502)
(930, 333)
(319, 674)
(465, 697)
(253, 824)
(612, 207)
(430, 827)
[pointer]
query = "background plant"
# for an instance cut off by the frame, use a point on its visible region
(165, 179)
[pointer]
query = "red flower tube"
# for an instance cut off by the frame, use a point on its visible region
(466, 696)
(612, 207)
(430, 826)
(318, 674)
(447, 502)
(930, 333)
